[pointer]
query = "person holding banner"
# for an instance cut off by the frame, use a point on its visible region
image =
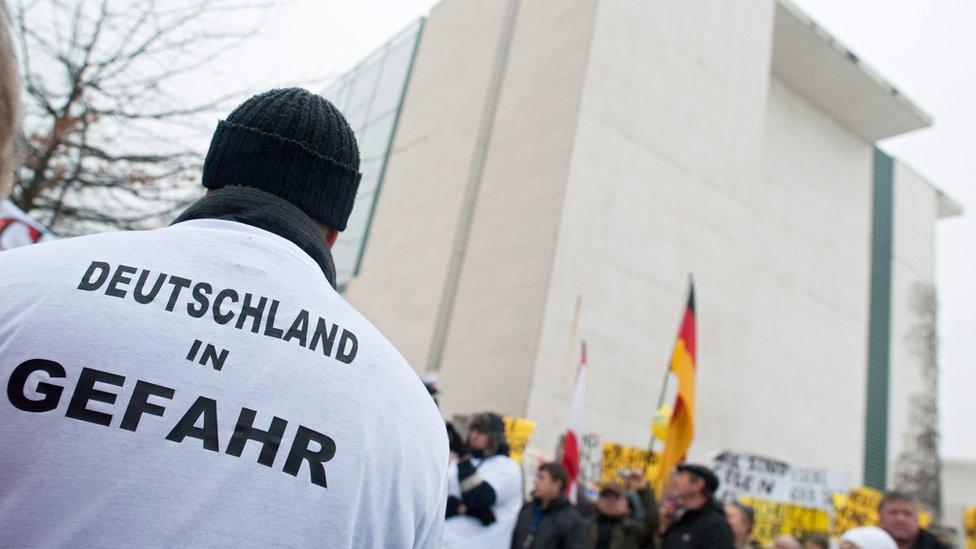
(898, 515)
(484, 489)
(612, 523)
(690, 517)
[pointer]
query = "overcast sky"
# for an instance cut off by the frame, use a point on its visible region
(926, 48)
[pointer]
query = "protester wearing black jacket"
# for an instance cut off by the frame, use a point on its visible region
(927, 540)
(690, 517)
(549, 520)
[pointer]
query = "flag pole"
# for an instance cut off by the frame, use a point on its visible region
(660, 402)
(570, 351)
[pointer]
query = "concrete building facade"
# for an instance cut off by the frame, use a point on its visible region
(606, 149)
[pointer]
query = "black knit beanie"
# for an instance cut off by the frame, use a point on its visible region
(293, 144)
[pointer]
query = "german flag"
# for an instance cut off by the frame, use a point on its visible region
(681, 428)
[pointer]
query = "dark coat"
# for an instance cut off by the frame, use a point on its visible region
(630, 532)
(928, 541)
(561, 527)
(705, 528)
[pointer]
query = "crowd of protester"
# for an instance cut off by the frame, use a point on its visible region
(486, 509)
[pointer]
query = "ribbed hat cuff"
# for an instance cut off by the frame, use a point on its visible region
(320, 186)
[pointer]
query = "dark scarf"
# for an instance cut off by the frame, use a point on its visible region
(265, 211)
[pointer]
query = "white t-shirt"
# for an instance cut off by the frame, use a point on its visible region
(203, 385)
(505, 477)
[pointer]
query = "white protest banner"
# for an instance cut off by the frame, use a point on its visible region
(18, 229)
(591, 458)
(764, 478)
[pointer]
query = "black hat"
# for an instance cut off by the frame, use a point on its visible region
(493, 425)
(702, 472)
(293, 144)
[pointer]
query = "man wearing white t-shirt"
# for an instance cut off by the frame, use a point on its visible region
(204, 384)
(484, 489)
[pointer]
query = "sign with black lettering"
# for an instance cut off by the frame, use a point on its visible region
(768, 479)
(775, 518)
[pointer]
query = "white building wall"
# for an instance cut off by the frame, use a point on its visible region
(494, 329)
(690, 159)
(408, 249)
(913, 273)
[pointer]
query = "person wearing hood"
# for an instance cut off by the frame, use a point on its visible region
(549, 521)
(204, 384)
(484, 489)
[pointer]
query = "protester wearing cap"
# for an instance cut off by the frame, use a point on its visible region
(612, 521)
(484, 489)
(205, 382)
(690, 516)
(898, 515)
(549, 521)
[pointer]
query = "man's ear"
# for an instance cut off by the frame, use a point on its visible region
(331, 235)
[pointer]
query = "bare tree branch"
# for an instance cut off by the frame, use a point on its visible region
(104, 140)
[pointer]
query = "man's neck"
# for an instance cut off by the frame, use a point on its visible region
(545, 502)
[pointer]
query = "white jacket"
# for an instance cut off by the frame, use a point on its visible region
(204, 385)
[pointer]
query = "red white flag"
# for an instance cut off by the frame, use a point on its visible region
(18, 229)
(571, 457)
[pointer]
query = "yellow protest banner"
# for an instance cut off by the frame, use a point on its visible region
(970, 524)
(860, 509)
(518, 431)
(775, 518)
(618, 456)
